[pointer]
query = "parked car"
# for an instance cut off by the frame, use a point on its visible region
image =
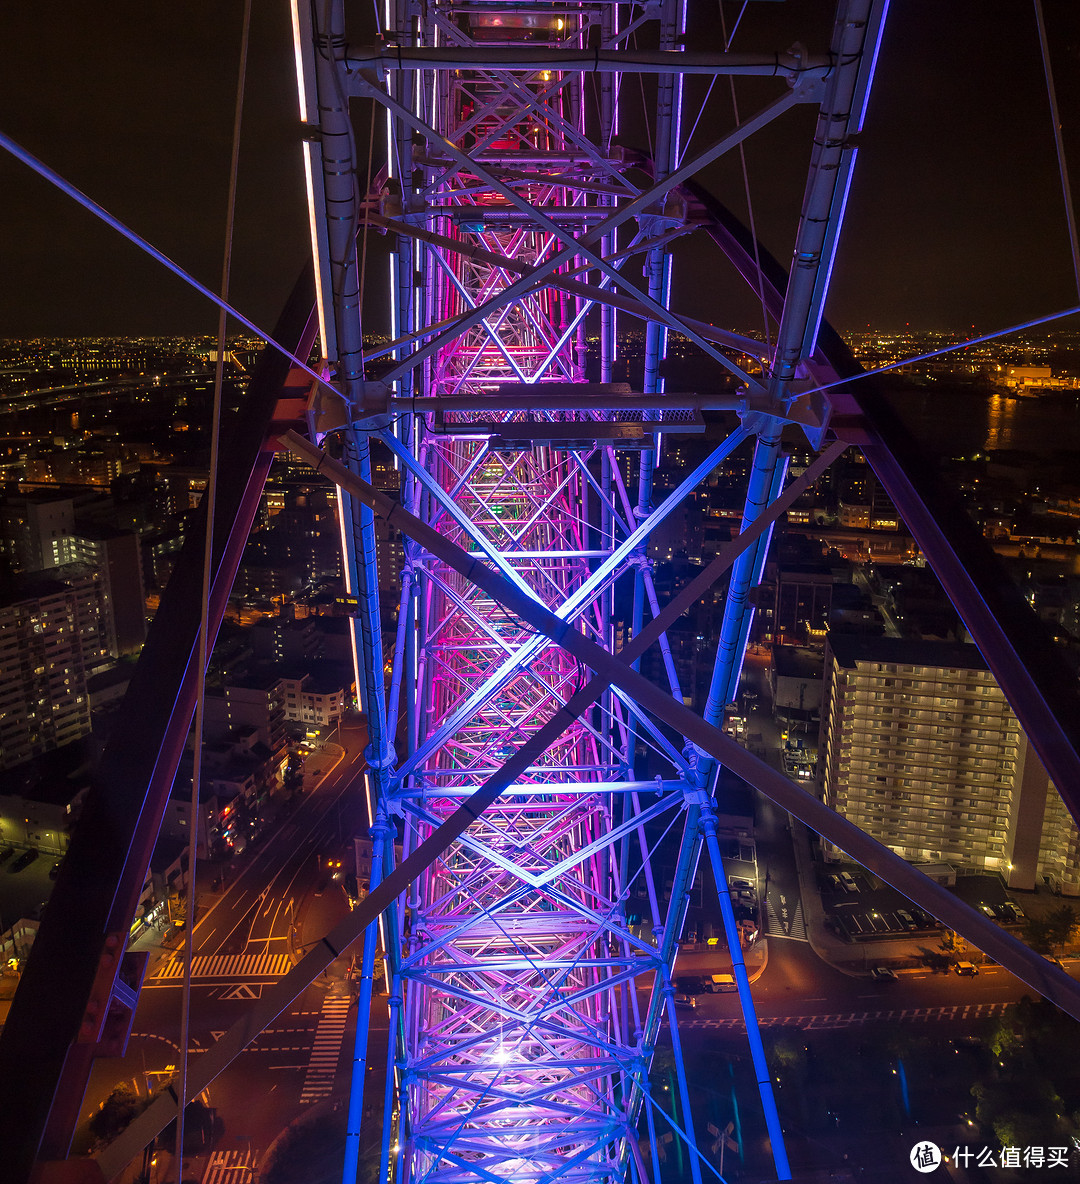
(740, 884)
(6, 852)
(682, 1000)
(721, 983)
(25, 859)
(848, 881)
(906, 919)
(692, 984)
(882, 974)
(986, 910)
(966, 969)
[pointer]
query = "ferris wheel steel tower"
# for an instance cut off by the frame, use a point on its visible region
(526, 1006)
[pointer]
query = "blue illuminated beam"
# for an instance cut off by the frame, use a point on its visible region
(766, 481)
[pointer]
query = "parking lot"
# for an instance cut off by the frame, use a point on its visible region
(864, 909)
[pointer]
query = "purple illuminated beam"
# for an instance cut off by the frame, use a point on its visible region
(559, 280)
(583, 246)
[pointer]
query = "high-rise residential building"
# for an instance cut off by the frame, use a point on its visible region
(43, 699)
(920, 748)
(39, 533)
(115, 555)
(89, 594)
(36, 531)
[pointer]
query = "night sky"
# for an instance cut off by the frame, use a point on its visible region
(956, 216)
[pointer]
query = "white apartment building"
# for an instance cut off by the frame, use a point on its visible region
(43, 699)
(919, 747)
(308, 701)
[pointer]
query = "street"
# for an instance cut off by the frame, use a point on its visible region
(260, 912)
(253, 920)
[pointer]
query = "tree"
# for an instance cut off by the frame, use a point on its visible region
(939, 961)
(1037, 934)
(951, 942)
(311, 1149)
(1004, 1039)
(201, 1127)
(1060, 924)
(787, 1053)
(117, 1112)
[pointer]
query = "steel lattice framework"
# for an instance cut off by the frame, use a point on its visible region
(524, 1043)
(506, 727)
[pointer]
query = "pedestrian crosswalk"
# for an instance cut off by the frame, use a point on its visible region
(326, 1051)
(794, 927)
(228, 966)
(229, 1167)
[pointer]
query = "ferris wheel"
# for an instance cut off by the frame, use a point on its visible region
(545, 812)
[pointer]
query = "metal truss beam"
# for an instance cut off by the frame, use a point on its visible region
(800, 312)
(1030, 967)
(574, 605)
(114, 1158)
(590, 292)
(489, 857)
(581, 247)
(620, 214)
(790, 66)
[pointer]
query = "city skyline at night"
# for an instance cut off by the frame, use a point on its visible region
(959, 164)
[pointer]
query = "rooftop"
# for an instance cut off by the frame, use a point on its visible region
(852, 649)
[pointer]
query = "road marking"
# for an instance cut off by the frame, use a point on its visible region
(326, 1051)
(227, 966)
(243, 991)
(783, 923)
(229, 1167)
(193, 1050)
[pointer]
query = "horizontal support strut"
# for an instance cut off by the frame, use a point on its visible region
(593, 61)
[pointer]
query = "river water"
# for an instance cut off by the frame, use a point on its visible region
(961, 423)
